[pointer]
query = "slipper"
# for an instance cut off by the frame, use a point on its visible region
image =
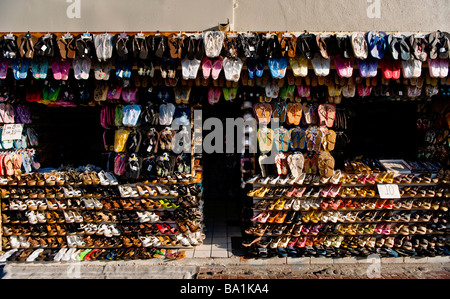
(386, 68)
(344, 67)
(228, 68)
(443, 66)
(322, 110)
(294, 113)
(260, 68)
(263, 112)
(360, 46)
(434, 68)
(405, 51)
(363, 67)
(298, 139)
(281, 164)
(396, 69)
(372, 68)
(279, 111)
(331, 114)
(282, 66)
(322, 46)
(377, 43)
(282, 138)
(237, 67)
(393, 44)
(4, 63)
(408, 68)
(265, 139)
(216, 68)
(273, 67)
(206, 67)
(251, 67)
(307, 45)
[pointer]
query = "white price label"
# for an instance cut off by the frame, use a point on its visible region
(12, 132)
(388, 191)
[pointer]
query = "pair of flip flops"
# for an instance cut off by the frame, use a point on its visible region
(368, 68)
(412, 68)
(327, 114)
(391, 68)
(123, 68)
(104, 46)
(213, 67)
(213, 42)
(166, 113)
(277, 67)
(214, 94)
(81, 68)
(321, 65)
(131, 114)
(189, 68)
(255, 67)
(299, 66)
(232, 68)
(61, 69)
(438, 68)
(344, 66)
(20, 68)
(39, 67)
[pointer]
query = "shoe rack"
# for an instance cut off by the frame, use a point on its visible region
(57, 225)
(359, 214)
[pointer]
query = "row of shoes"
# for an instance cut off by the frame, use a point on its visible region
(390, 178)
(92, 203)
(80, 216)
(381, 228)
(301, 179)
(75, 254)
(98, 241)
(375, 166)
(346, 246)
(144, 190)
(332, 191)
(367, 178)
(324, 216)
(103, 224)
(60, 178)
(134, 191)
(296, 204)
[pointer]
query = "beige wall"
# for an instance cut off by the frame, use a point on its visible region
(198, 15)
(342, 15)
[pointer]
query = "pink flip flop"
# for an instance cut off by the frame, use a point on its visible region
(211, 96)
(64, 68)
(3, 68)
(344, 67)
(216, 68)
(56, 68)
(206, 67)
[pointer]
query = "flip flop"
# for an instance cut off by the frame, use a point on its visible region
(279, 111)
(206, 67)
(216, 68)
(331, 114)
(360, 46)
(282, 138)
(298, 139)
(265, 139)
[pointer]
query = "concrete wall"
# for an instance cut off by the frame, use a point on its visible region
(343, 15)
(198, 15)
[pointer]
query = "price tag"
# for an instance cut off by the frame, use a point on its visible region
(388, 191)
(12, 132)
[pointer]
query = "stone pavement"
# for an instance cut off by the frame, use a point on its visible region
(235, 268)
